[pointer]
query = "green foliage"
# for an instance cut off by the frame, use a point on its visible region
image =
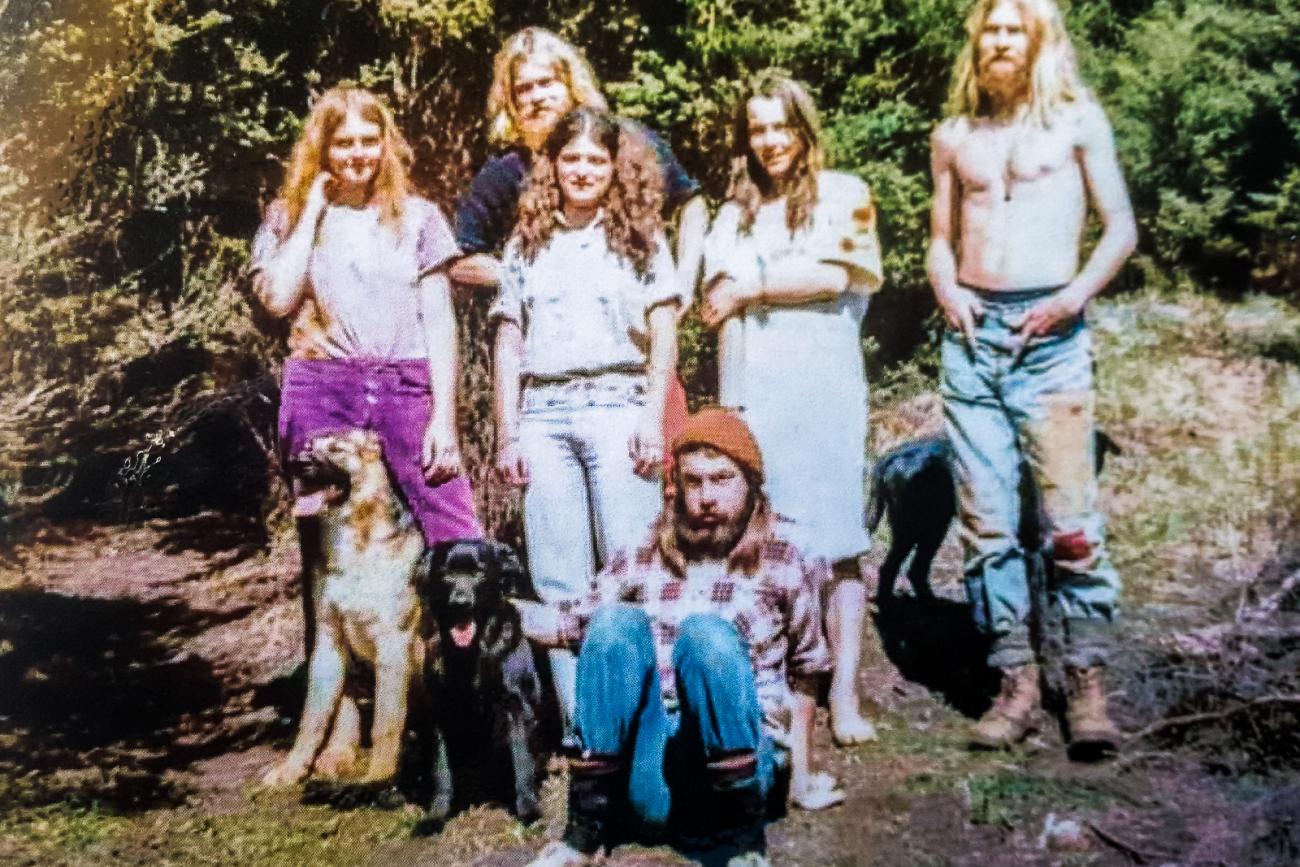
(1206, 101)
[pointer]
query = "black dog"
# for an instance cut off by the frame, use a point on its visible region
(915, 487)
(483, 687)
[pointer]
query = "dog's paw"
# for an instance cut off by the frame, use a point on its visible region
(429, 824)
(527, 810)
(333, 764)
(284, 773)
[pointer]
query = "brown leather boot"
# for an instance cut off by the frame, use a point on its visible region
(1092, 732)
(1012, 716)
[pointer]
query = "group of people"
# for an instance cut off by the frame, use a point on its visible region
(699, 573)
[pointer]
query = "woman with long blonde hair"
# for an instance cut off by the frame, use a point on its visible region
(356, 262)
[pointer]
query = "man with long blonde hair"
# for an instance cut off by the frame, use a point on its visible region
(1023, 154)
(537, 78)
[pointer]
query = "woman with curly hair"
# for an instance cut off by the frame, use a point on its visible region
(789, 264)
(357, 262)
(586, 346)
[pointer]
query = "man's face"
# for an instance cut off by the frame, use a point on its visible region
(354, 152)
(1003, 47)
(717, 500)
(772, 139)
(541, 98)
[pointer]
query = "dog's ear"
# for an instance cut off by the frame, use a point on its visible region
(434, 560)
(510, 572)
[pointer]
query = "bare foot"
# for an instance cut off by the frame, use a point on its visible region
(333, 764)
(284, 773)
(818, 792)
(849, 727)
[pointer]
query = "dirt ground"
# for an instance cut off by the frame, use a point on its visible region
(148, 672)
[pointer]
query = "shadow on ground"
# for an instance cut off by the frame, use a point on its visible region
(95, 701)
(935, 643)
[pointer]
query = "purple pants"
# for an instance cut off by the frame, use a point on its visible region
(392, 399)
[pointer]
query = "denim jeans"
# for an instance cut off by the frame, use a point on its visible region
(583, 500)
(621, 711)
(1006, 410)
(388, 397)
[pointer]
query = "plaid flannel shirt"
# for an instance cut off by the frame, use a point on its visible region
(776, 610)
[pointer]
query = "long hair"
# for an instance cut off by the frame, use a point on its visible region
(1053, 73)
(390, 186)
(543, 46)
(632, 205)
(750, 183)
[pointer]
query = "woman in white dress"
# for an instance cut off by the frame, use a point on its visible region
(789, 264)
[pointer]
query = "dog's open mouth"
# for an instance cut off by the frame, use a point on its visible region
(463, 632)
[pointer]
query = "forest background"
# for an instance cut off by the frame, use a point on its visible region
(142, 138)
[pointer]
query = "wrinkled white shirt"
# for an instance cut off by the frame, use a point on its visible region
(582, 308)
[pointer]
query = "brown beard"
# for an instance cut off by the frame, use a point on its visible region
(710, 543)
(1002, 88)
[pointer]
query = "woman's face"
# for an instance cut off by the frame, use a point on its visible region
(541, 98)
(772, 139)
(354, 151)
(585, 169)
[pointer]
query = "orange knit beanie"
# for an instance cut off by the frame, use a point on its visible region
(724, 430)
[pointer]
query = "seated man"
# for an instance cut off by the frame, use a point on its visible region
(700, 649)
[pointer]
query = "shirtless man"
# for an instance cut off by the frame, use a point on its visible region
(1024, 151)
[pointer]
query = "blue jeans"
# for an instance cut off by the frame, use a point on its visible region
(1006, 412)
(620, 710)
(584, 500)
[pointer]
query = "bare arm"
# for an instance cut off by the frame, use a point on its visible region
(792, 281)
(281, 281)
(1109, 194)
(441, 452)
(961, 307)
(480, 270)
(1106, 188)
(647, 445)
(693, 224)
(540, 622)
(507, 362)
(803, 712)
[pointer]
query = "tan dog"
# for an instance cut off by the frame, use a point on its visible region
(366, 606)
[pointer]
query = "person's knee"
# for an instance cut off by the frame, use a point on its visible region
(708, 641)
(616, 629)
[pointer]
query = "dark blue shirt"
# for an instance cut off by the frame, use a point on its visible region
(486, 216)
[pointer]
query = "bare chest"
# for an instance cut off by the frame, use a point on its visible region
(998, 160)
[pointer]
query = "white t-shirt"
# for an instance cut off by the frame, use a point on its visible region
(363, 279)
(581, 307)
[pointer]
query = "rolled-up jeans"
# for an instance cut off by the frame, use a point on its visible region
(584, 500)
(393, 399)
(1006, 408)
(621, 712)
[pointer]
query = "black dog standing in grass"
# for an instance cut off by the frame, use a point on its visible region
(483, 687)
(915, 488)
